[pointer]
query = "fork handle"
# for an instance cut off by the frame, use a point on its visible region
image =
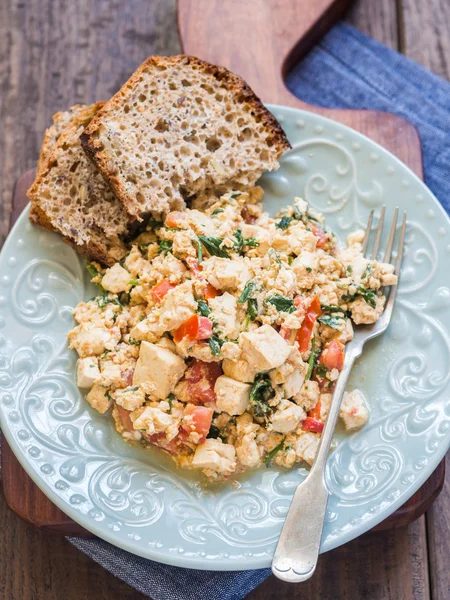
(298, 547)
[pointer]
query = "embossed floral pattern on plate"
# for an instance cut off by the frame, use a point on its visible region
(136, 499)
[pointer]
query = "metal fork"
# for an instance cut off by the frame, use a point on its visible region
(297, 551)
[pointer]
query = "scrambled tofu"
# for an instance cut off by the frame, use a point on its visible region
(220, 337)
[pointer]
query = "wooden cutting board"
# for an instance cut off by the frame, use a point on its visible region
(259, 40)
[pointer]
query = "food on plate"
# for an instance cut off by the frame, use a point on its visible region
(180, 126)
(220, 336)
(70, 196)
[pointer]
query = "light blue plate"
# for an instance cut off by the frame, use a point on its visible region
(136, 499)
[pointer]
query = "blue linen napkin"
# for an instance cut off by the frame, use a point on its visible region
(346, 70)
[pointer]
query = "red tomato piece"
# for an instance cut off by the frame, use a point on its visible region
(200, 421)
(248, 218)
(193, 265)
(211, 292)
(160, 290)
(198, 382)
(307, 326)
(176, 219)
(314, 413)
(285, 333)
(321, 235)
(195, 328)
(160, 440)
(310, 424)
(332, 356)
(124, 418)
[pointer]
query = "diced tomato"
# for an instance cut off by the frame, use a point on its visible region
(160, 290)
(248, 218)
(197, 385)
(194, 266)
(332, 356)
(314, 413)
(321, 235)
(127, 376)
(211, 292)
(307, 326)
(160, 440)
(299, 303)
(124, 418)
(200, 422)
(195, 328)
(310, 424)
(176, 218)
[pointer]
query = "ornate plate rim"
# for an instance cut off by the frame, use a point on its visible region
(223, 564)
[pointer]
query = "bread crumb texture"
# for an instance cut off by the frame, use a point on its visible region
(178, 126)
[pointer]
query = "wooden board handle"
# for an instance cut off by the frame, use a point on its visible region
(260, 40)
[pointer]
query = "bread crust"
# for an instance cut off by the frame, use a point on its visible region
(234, 84)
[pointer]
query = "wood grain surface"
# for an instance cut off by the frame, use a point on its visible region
(56, 52)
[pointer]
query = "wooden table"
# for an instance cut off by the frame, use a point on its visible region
(51, 56)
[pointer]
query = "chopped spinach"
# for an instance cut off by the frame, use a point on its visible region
(170, 399)
(332, 308)
(203, 308)
(367, 295)
(349, 269)
(214, 432)
(284, 223)
(332, 321)
(252, 308)
(215, 343)
(271, 455)
(199, 251)
(242, 242)
(249, 288)
(213, 246)
(260, 394)
(281, 303)
(368, 270)
(274, 253)
(321, 370)
(165, 246)
(94, 272)
(133, 282)
(308, 269)
(217, 211)
(154, 224)
(133, 342)
(312, 360)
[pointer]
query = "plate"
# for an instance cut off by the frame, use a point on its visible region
(136, 499)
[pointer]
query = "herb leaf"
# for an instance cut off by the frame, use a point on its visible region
(332, 308)
(281, 303)
(215, 343)
(332, 321)
(252, 308)
(203, 308)
(247, 291)
(271, 455)
(214, 432)
(312, 360)
(367, 295)
(284, 223)
(217, 211)
(260, 394)
(212, 245)
(199, 251)
(165, 246)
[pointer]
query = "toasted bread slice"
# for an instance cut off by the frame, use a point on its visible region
(70, 196)
(177, 127)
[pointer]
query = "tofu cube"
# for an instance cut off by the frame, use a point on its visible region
(264, 348)
(224, 313)
(117, 279)
(353, 411)
(226, 274)
(287, 416)
(177, 306)
(160, 366)
(130, 398)
(88, 339)
(293, 383)
(308, 395)
(152, 420)
(248, 452)
(213, 454)
(261, 235)
(98, 399)
(148, 329)
(306, 448)
(239, 370)
(232, 396)
(87, 371)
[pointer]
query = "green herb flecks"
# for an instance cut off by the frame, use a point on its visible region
(331, 320)
(367, 271)
(217, 212)
(241, 243)
(214, 433)
(154, 224)
(284, 223)
(274, 253)
(281, 303)
(199, 251)
(213, 246)
(247, 291)
(332, 308)
(215, 343)
(133, 282)
(260, 394)
(94, 272)
(133, 342)
(165, 246)
(271, 455)
(312, 360)
(367, 295)
(349, 269)
(170, 399)
(203, 308)
(321, 370)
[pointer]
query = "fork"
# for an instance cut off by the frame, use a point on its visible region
(297, 551)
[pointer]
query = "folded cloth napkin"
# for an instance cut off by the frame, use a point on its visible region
(347, 70)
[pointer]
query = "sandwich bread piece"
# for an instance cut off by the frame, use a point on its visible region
(177, 127)
(70, 196)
